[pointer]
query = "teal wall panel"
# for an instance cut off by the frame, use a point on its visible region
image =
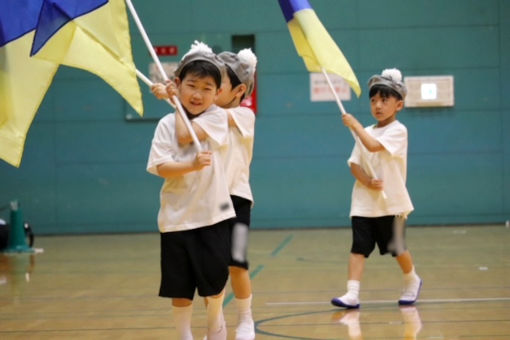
(84, 164)
(301, 192)
(505, 103)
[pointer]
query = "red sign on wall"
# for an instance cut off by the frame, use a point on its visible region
(166, 50)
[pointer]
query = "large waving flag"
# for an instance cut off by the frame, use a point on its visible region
(23, 80)
(314, 44)
(36, 36)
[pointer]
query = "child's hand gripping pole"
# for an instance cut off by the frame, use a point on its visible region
(180, 109)
(149, 83)
(356, 139)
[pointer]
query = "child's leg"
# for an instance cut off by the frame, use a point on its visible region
(405, 262)
(412, 282)
(182, 310)
(356, 266)
(241, 285)
(351, 298)
(363, 243)
(238, 268)
(216, 328)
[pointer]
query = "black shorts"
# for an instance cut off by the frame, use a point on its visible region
(367, 231)
(195, 259)
(239, 227)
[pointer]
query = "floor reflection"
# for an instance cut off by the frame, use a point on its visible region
(411, 322)
(16, 268)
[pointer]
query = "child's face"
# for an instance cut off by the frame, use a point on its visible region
(385, 109)
(197, 93)
(229, 97)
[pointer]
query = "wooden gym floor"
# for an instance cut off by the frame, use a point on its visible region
(105, 287)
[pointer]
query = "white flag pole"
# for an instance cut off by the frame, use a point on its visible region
(145, 37)
(356, 139)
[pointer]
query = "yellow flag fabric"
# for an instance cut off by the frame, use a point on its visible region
(97, 41)
(314, 44)
(23, 84)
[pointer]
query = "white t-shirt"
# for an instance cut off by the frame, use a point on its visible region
(240, 152)
(390, 165)
(198, 198)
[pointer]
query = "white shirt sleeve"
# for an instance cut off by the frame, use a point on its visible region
(355, 155)
(394, 140)
(215, 124)
(163, 147)
(244, 119)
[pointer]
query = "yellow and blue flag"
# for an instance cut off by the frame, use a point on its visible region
(314, 44)
(36, 36)
(23, 80)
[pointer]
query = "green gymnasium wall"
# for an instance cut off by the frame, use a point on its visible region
(83, 169)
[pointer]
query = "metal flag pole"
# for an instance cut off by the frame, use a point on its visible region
(180, 109)
(356, 139)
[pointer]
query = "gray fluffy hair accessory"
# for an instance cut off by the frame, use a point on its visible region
(243, 64)
(200, 51)
(391, 78)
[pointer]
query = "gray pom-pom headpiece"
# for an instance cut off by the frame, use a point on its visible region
(200, 51)
(243, 64)
(391, 78)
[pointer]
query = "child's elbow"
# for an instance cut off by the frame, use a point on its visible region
(183, 139)
(376, 147)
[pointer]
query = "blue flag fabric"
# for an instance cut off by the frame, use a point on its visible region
(313, 42)
(17, 17)
(54, 14)
(292, 6)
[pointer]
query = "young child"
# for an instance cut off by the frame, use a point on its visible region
(377, 217)
(237, 84)
(195, 212)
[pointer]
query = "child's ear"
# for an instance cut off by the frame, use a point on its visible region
(241, 89)
(400, 104)
(177, 81)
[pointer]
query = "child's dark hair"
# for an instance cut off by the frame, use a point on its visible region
(234, 79)
(384, 91)
(202, 68)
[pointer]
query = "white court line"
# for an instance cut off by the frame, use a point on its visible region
(391, 301)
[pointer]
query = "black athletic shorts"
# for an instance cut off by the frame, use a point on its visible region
(195, 259)
(239, 227)
(367, 231)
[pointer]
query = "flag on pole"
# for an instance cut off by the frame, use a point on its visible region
(23, 80)
(92, 35)
(36, 36)
(314, 44)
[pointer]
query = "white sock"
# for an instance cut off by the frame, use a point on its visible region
(244, 308)
(411, 276)
(182, 320)
(215, 313)
(353, 289)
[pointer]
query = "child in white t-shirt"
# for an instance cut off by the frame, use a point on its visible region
(195, 212)
(380, 201)
(238, 83)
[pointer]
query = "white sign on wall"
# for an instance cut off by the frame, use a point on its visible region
(320, 90)
(429, 91)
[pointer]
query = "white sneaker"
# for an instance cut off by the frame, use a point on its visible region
(345, 301)
(245, 330)
(410, 292)
(219, 335)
